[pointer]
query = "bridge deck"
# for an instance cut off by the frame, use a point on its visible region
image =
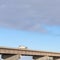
(5, 50)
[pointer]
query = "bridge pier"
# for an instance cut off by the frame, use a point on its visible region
(56, 58)
(10, 57)
(42, 58)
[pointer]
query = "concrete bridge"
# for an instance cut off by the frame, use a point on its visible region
(16, 53)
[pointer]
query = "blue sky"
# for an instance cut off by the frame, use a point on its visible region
(33, 40)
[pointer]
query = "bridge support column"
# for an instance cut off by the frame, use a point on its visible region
(57, 58)
(42, 58)
(10, 57)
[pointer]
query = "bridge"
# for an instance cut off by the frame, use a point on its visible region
(16, 53)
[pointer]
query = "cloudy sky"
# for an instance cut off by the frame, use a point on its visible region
(33, 23)
(32, 15)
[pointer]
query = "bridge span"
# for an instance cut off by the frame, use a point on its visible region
(16, 53)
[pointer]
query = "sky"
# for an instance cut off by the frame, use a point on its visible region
(30, 14)
(32, 23)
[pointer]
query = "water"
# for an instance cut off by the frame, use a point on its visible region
(26, 58)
